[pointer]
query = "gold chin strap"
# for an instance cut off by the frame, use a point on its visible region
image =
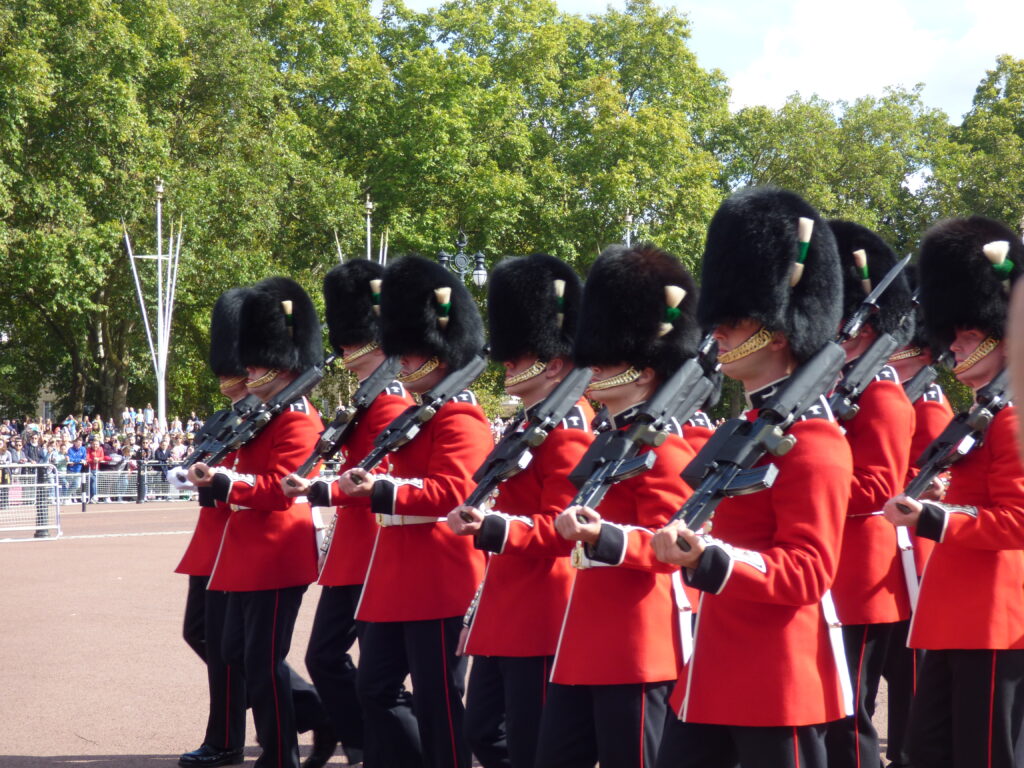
(534, 370)
(628, 376)
(425, 369)
(363, 350)
(226, 385)
(905, 354)
(979, 352)
(759, 340)
(266, 378)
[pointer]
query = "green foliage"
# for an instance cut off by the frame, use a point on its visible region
(530, 128)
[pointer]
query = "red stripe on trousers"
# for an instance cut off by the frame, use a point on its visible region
(643, 687)
(273, 678)
(447, 699)
(991, 708)
(856, 701)
(796, 749)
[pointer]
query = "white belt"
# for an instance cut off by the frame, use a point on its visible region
(386, 521)
(297, 500)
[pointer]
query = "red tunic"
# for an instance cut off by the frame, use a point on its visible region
(424, 571)
(526, 585)
(697, 430)
(870, 587)
(269, 541)
(932, 413)
(622, 624)
(762, 652)
(971, 592)
(356, 529)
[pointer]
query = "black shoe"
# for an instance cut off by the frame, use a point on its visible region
(324, 742)
(42, 534)
(354, 755)
(207, 757)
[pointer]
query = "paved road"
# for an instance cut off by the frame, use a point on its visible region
(93, 670)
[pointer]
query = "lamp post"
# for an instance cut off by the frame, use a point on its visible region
(369, 226)
(464, 264)
(629, 229)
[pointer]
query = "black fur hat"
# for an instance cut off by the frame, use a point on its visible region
(752, 244)
(349, 301)
(412, 316)
(224, 334)
(960, 287)
(625, 306)
(895, 302)
(269, 338)
(524, 314)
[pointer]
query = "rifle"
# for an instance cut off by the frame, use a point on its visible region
(214, 433)
(258, 419)
(345, 419)
(513, 454)
(615, 455)
(404, 427)
(921, 380)
(843, 401)
(964, 433)
(725, 465)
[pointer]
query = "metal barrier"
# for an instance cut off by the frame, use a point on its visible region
(122, 486)
(30, 499)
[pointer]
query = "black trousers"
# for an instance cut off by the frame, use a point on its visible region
(697, 745)
(258, 629)
(968, 709)
(503, 709)
(852, 742)
(330, 665)
(901, 669)
(204, 627)
(619, 726)
(425, 729)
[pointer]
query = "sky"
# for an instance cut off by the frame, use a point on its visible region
(769, 49)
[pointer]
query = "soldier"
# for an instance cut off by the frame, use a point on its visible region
(620, 645)
(870, 591)
(421, 576)
(932, 413)
(766, 672)
(352, 301)
(533, 304)
(969, 704)
(224, 741)
(267, 556)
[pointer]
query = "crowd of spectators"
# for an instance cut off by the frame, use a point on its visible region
(79, 447)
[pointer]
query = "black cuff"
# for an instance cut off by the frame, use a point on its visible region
(206, 497)
(932, 523)
(492, 534)
(319, 494)
(221, 486)
(712, 571)
(610, 546)
(382, 498)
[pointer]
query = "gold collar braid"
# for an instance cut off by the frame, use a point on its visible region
(628, 376)
(424, 370)
(979, 352)
(905, 354)
(759, 340)
(230, 383)
(534, 370)
(363, 350)
(266, 378)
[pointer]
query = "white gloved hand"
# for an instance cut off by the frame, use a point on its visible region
(178, 477)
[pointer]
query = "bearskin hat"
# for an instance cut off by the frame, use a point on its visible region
(752, 244)
(269, 337)
(224, 334)
(629, 317)
(413, 316)
(352, 307)
(961, 287)
(896, 303)
(527, 316)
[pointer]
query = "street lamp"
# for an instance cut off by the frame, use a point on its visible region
(629, 229)
(464, 264)
(369, 225)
